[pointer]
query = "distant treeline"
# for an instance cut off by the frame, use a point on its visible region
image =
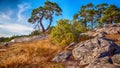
(7, 39)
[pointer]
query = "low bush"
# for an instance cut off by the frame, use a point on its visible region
(63, 33)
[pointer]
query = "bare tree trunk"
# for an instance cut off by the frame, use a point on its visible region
(110, 20)
(49, 23)
(43, 29)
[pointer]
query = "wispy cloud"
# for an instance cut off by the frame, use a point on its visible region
(5, 16)
(22, 8)
(15, 23)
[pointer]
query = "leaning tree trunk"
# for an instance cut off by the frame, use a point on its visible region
(49, 24)
(43, 29)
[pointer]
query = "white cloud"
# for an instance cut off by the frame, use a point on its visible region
(16, 25)
(16, 28)
(22, 8)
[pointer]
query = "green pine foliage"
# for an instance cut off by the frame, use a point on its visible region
(45, 12)
(79, 26)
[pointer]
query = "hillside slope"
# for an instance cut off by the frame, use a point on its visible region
(91, 51)
(35, 54)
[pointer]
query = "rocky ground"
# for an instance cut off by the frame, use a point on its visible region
(101, 51)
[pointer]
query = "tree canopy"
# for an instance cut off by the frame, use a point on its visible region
(44, 12)
(97, 15)
(88, 17)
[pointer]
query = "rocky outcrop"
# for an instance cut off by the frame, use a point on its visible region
(98, 52)
(27, 39)
(95, 53)
(65, 54)
(105, 62)
(109, 29)
(62, 56)
(101, 51)
(88, 50)
(24, 39)
(94, 34)
(101, 32)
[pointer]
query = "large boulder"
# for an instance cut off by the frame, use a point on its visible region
(97, 49)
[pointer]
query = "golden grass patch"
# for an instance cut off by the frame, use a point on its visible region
(115, 38)
(36, 53)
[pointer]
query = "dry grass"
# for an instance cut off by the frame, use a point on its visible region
(84, 38)
(35, 54)
(115, 38)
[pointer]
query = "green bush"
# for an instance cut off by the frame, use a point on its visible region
(79, 26)
(63, 33)
(36, 32)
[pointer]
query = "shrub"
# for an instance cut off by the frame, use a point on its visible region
(36, 32)
(79, 26)
(63, 33)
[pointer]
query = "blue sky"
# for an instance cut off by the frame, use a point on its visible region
(15, 13)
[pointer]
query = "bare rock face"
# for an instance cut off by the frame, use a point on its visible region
(116, 59)
(94, 34)
(110, 61)
(101, 32)
(109, 29)
(105, 62)
(62, 56)
(102, 65)
(27, 39)
(96, 52)
(71, 45)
